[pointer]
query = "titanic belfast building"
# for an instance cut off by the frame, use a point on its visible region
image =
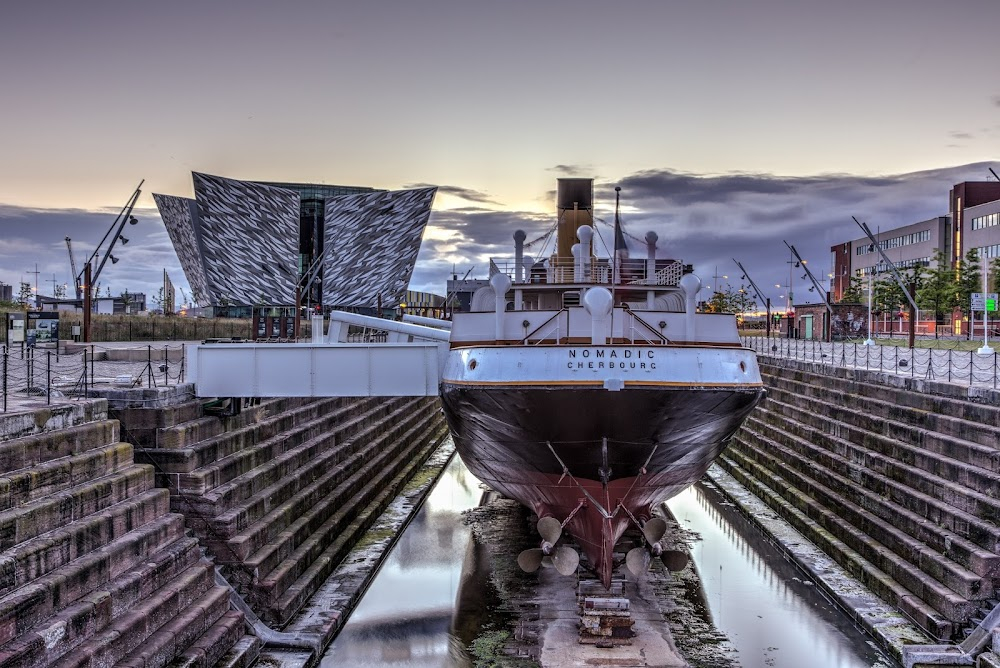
(251, 242)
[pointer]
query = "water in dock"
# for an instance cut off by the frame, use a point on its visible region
(770, 611)
(772, 615)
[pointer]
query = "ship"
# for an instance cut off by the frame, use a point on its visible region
(590, 389)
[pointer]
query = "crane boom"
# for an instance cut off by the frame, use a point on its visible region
(72, 265)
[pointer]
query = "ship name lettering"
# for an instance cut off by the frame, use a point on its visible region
(611, 365)
(586, 353)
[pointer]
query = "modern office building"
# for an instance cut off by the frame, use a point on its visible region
(983, 229)
(973, 223)
(907, 247)
(251, 243)
(6, 292)
(962, 197)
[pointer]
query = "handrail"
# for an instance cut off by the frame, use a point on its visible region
(663, 339)
(539, 328)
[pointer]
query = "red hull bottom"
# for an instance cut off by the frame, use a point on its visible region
(598, 515)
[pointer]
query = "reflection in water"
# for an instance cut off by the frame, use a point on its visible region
(405, 617)
(765, 605)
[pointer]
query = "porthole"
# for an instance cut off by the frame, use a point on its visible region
(743, 367)
(472, 365)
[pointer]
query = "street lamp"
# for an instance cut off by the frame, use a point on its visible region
(869, 341)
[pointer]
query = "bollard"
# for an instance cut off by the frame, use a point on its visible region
(48, 378)
(149, 365)
(166, 367)
(92, 363)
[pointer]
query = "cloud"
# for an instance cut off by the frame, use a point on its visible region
(954, 134)
(708, 219)
(703, 219)
(468, 194)
(31, 237)
(996, 100)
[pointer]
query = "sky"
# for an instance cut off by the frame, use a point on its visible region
(730, 126)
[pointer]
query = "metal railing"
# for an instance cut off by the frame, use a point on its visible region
(34, 373)
(964, 367)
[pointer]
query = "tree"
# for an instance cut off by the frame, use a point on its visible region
(939, 290)
(127, 298)
(854, 293)
(970, 279)
(26, 298)
(731, 300)
(158, 299)
(59, 292)
(995, 275)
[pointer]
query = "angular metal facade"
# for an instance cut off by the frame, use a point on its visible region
(238, 241)
(372, 241)
(179, 215)
(248, 236)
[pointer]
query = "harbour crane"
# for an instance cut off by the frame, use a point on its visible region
(72, 265)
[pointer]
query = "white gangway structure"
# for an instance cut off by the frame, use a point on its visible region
(408, 363)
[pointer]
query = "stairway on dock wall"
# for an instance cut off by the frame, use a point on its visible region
(94, 568)
(900, 487)
(281, 492)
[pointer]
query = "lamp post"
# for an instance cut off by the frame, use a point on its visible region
(986, 350)
(869, 341)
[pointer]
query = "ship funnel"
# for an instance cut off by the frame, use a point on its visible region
(574, 207)
(519, 237)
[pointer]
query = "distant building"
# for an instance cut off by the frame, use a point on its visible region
(963, 196)
(460, 292)
(973, 223)
(983, 228)
(243, 243)
(6, 292)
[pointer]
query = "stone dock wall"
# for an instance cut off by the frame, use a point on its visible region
(898, 479)
(112, 520)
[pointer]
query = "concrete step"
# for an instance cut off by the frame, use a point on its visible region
(219, 646)
(843, 497)
(322, 437)
(26, 485)
(50, 418)
(297, 593)
(968, 540)
(54, 549)
(251, 456)
(949, 603)
(243, 654)
(302, 493)
(144, 424)
(763, 483)
(193, 595)
(23, 523)
(203, 453)
(30, 451)
(934, 404)
(41, 635)
(972, 427)
(937, 446)
(201, 633)
(275, 496)
(965, 487)
(377, 482)
(207, 427)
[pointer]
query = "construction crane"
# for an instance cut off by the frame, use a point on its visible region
(72, 265)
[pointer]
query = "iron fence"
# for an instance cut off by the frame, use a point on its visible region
(36, 373)
(965, 367)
